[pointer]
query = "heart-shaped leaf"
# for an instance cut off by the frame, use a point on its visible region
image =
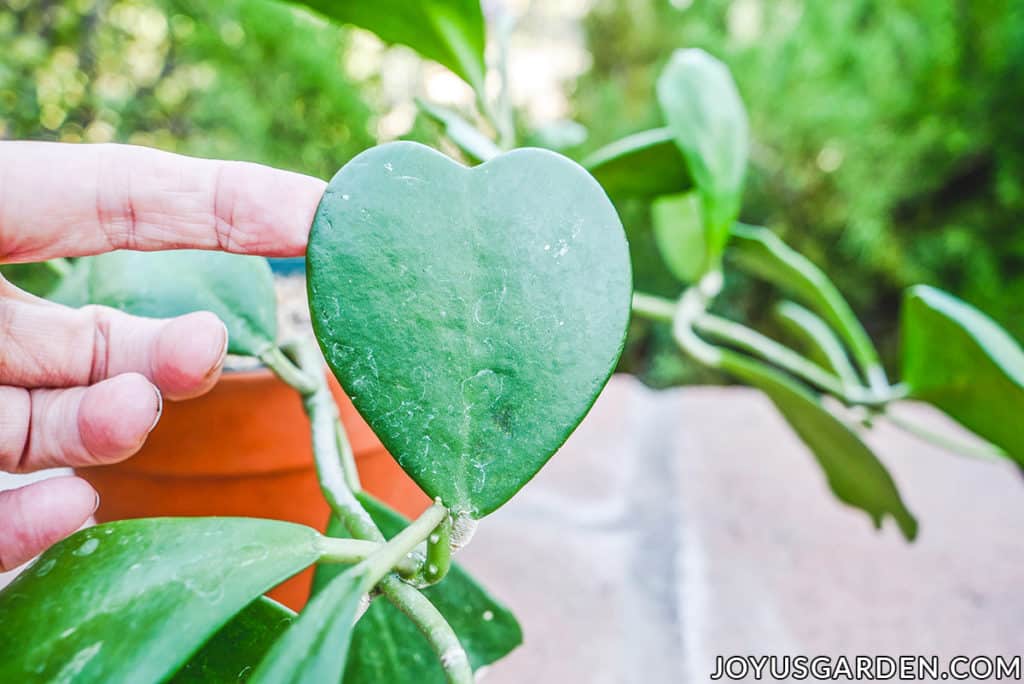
(679, 234)
(960, 360)
(854, 473)
(709, 124)
(473, 315)
(238, 289)
(645, 164)
(387, 646)
(232, 654)
(131, 601)
(451, 32)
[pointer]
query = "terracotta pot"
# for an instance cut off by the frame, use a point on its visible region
(244, 449)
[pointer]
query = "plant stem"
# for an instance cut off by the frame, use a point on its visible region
(347, 457)
(345, 551)
(439, 552)
(402, 544)
(690, 315)
(279, 363)
(984, 451)
(330, 446)
(430, 622)
(324, 424)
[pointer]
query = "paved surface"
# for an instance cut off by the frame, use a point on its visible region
(680, 525)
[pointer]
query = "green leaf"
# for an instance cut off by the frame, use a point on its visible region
(477, 146)
(761, 252)
(645, 164)
(473, 315)
(560, 136)
(387, 646)
(315, 647)
(39, 278)
(702, 106)
(238, 289)
(854, 473)
(131, 601)
(960, 360)
(451, 32)
(233, 652)
(679, 234)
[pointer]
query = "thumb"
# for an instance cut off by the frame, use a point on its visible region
(41, 514)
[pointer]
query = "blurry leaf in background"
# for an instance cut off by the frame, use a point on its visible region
(474, 144)
(238, 289)
(704, 111)
(39, 278)
(854, 473)
(387, 646)
(233, 653)
(817, 340)
(645, 164)
(679, 232)
(450, 32)
(563, 136)
(960, 360)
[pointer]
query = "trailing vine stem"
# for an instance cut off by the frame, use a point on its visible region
(335, 466)
(982, 450)
(690, 315)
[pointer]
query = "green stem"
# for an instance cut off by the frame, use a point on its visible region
(506, 123)
(328, 450)
(324, 425)
(439, 552)
(276, 360)
(430, 622)
(391, 554)
(654, 308)
(983, 451)
(335, 550)
(348, 457)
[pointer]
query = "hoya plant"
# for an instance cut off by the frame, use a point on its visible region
(473, 314)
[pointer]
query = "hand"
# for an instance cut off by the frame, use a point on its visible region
(85, 387)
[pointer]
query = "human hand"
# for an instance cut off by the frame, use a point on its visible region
(85, 387)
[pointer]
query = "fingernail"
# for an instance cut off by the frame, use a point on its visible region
(223, 352)
(96, 503)
(159, 410)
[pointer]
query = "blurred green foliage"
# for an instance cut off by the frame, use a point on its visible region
(255, 81)
(887, 142)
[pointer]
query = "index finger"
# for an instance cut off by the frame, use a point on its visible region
(75, 200)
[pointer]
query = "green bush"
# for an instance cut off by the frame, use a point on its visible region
(887, 143)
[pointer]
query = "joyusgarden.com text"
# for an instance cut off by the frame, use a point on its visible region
(863, 668)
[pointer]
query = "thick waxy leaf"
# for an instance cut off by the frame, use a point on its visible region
(131, 601)
(39, 278)
(645, 164)
(387, 646)
(233, 653)
(473, 315)
(854, 473)
(451, 32)
(239, 289)
(761, 252)
(960, 360)
(477, 146)
(702, 106)
(679, 234)
(315, 647)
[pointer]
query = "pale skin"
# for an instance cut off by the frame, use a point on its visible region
(82, 387)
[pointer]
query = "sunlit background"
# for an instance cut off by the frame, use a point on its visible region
(888, 143)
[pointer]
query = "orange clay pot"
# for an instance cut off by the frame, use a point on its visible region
(244, 449)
